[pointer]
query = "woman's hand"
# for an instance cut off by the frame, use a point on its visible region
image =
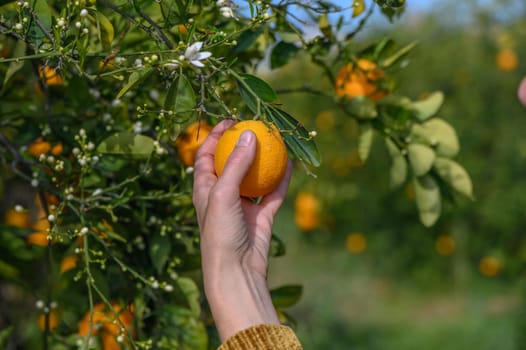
(235, 236)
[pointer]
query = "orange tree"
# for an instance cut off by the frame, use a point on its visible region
(99, 230)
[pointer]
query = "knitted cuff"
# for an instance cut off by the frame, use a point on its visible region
(263, 337)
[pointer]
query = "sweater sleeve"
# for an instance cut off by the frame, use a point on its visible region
(263, 337)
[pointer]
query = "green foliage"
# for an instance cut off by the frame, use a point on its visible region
(94, 94)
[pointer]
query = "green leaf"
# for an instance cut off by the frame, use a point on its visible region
(20, 50)
(127, 143)
(428, 107)
(442, 136)
(325, 26)
(362, 107)
(5, 334)
(181, 98)
(8, 271)
(365, 140)
(428, 200)
(160, 248)
(282, 53)
(296, 137)
(107, 33)
(253, 89)
(455, 175)
(43, 13)
(286, 296)
(398, 170)
(134, 78)
(389, 61)
(277, 246)
(246, 39)
(421, 158)
(191, 293)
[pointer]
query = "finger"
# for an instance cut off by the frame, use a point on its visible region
(521, 91)
(204, 172)
(272, 202)
(238, 164)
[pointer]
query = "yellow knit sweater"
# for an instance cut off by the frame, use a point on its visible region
(263, 337)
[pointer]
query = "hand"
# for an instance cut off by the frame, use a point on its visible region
(235, 236)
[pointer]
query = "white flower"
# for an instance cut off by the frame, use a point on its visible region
(227, 12)
(194, 55)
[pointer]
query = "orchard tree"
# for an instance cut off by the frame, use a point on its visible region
(103, 106)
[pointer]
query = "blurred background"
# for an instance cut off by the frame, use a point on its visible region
(373, 277)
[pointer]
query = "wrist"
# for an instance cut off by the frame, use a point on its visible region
(239, 298)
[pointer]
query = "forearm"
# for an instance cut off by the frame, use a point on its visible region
(238, 299)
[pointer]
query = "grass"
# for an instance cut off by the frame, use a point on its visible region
(348, 304)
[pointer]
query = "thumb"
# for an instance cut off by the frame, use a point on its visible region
(239, 160)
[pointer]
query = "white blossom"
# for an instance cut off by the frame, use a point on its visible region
(194, 55)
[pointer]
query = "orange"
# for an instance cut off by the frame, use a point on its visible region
(57, 149)
(507, 60)
(53, 321)
(307, 211)
(356, 242)
(68, 262)
(38, 238)
(359, 80)
(270, 161)
(50, 76)
(39, 147)
(16, 218)
(105, 324)
(190, 140)
(445, 245)
(489, 266)
(182, 29)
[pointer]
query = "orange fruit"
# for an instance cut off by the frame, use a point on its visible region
(359, 80)
(489, 266)
(182, 29)
(50, 76)
(16, 218)
(270, 161)
(507, 60)
(105, 324)
(356, 242)
(53, 321)
(39, 147)
(38, 238)
(445, 245)
(190, 140)
(307, 211)
(57, 149)
(68, 262)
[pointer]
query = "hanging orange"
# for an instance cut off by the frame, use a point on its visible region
(270, 161)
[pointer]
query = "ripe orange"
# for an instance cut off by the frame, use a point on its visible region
(489, 266)
(50, 75)
(445, 245)
(507, 60)
(270, 162)
(68, 262)
(359, 80)
(307, 211)
(190, 140)
(356, 242)
(105, 324)
(16, 218)
(39, 147)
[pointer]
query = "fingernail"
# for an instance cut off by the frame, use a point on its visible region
(245, 139)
